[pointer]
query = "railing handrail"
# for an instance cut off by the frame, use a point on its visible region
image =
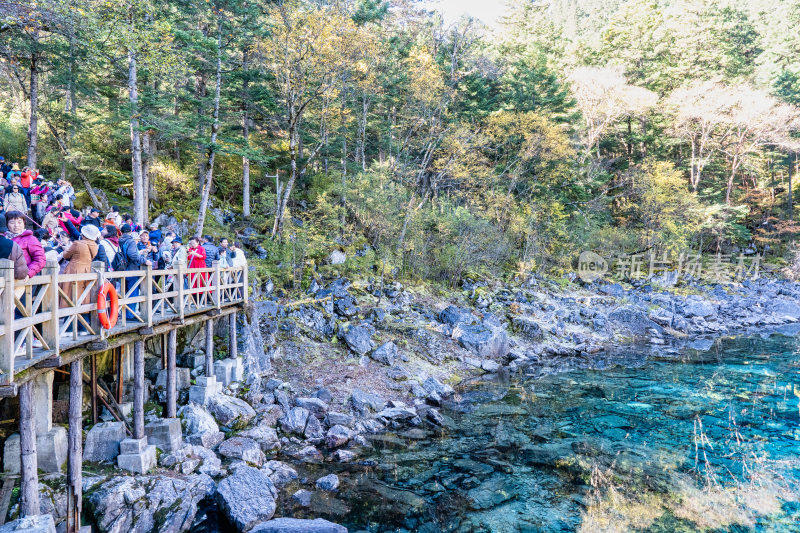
(41, 315)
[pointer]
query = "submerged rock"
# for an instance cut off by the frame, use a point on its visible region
(328, 483)
(298, 525)
(280, 473)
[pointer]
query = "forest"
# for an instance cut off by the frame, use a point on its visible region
(427, 149)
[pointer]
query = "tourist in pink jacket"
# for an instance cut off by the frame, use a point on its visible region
(31, 247)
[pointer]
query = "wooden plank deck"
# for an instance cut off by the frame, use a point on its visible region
(43, 317)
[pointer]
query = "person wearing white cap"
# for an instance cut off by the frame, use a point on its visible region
(80, 255)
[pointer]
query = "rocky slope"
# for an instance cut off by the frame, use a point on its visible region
(353, 361)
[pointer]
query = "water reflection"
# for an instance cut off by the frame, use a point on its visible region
(690, 441)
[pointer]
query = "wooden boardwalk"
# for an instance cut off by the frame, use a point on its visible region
(51, 315)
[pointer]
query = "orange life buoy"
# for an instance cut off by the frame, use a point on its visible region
(107, 315)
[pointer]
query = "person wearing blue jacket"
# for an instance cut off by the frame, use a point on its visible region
(212, 252)
(129, 247)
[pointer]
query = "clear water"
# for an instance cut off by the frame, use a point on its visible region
(698, 441)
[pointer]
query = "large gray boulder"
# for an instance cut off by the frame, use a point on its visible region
(265, 436)
(358, 339)
(42, 523)
(338, 436)
(387, 353)
(199, 426)
(528, 328)
(433, 385)
(299, 525)
(242, 448)
(280, 473)
(483, 341)
(365, 402)
(316, 406)
(632, 321)
(696, 306)
(247, 497)
(230, 411)
(294, 421)
(453, 315)
(143, 504)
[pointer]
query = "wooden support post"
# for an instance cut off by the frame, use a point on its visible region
(99, 268)
(7, 316)
(29, 496)
(75, 452)
(120, 374)
(163, 340)
(172, 386)
(179, 287)
(50, 332)
(216, 278)
(210, 347)
(147, 291)
(138, 390)
(93, 374)
(233, 345)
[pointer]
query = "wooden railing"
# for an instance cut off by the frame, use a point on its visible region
(49, 313)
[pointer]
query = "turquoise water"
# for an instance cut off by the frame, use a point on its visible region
(687, 441)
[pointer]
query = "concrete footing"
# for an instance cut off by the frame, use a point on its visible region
(207, 386)
(229, 370)
(136, 455)
(51, 451)
(165, 434)
(102, 442)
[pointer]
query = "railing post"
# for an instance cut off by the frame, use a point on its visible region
(215, 282)
(147, 291)
(244, 283)
(7, 316)
(50, 332)
(179, 280)
(99, 268)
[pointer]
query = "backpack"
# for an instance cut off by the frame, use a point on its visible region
(120, 261)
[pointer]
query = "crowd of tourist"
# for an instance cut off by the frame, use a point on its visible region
(39, 223)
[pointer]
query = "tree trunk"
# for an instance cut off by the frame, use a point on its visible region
(343, 133)
(147, 154)
(791, 207)
(277, 227)
(33, 123)
(363, 132)
(212, 148)
(246, 138)
(136, 142)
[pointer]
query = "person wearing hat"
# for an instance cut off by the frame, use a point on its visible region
(5, 168)
(155, 234)
(80, 255)
(113, 217)
(179, 254)
(94, 218)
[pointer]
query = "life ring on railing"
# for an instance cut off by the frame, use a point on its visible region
(107, 315)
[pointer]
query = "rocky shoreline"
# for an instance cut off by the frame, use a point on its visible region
(353, 362)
